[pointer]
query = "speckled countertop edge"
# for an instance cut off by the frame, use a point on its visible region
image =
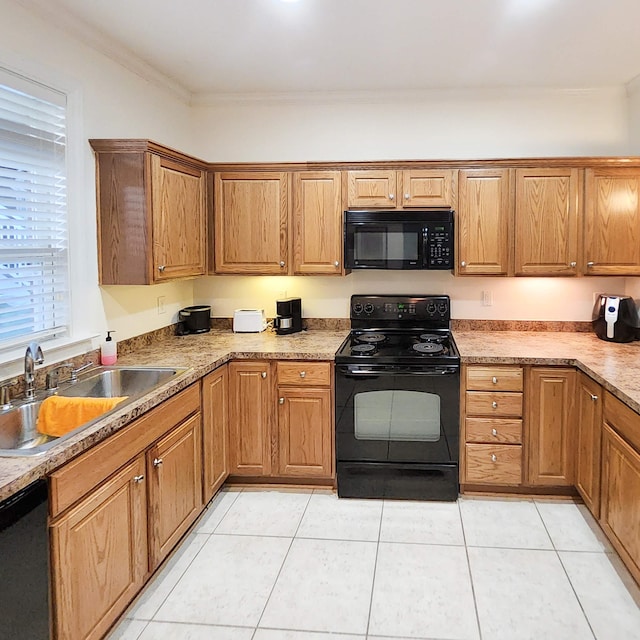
(615, 366)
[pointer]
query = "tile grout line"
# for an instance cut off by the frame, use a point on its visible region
(466, 552)
(375, 568)
(564, 569)
(284, 560)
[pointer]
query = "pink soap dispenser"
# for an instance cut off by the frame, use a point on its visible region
(109, 350)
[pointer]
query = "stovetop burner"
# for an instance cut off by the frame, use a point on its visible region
(428, 348)
(371, 338)
(363, 349)
(432, 337)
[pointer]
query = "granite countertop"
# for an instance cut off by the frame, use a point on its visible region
(615, 366)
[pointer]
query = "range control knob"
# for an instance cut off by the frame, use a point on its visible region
(368, 308)
(442, 308)
(357, 308)
(431, 308)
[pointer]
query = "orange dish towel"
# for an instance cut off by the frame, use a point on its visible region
(59, 415)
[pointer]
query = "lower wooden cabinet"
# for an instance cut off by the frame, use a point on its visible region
(550, 426)
(588, 441)
(117, 511)
(174, 468)
(620, 505)
(281, 419)
(215, 431)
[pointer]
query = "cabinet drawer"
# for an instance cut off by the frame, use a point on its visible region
(622, 418)
(494, 378)
(490, 430)
(484, 403)
(493, 464)
(304, 373)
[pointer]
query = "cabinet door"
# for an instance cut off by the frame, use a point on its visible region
(99, 555)
(612, 222)
(215, 418)
(546, 223)
(305, 432)
(620, 508)
(428, 188)
(251, 218)
(589, 435)
(178, 213)
(372, 189)
(250, 418)
(317, 222)
(484, 223)
(174, 468)
(550, 439)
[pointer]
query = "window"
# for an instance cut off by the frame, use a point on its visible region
(34, 290)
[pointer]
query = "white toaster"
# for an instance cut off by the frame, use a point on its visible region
(249, 320)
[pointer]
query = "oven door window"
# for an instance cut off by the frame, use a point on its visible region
(396, 415)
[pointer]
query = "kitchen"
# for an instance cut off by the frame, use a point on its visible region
(499, 123)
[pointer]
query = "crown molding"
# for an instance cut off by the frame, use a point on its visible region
(102, 43)
(210, 99)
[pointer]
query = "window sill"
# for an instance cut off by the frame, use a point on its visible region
(12, 361)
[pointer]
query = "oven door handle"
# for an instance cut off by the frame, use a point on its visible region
(374, 373)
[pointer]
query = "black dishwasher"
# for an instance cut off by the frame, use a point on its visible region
(24, 562)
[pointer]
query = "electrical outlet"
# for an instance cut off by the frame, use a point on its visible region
(161, 307)
(487, 298)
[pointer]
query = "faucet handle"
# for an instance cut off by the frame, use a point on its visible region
(75, 372)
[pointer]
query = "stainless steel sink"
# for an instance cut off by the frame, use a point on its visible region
(18, 433)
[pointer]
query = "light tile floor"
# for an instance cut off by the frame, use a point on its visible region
(303, 565)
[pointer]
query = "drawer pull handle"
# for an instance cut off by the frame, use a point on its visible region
(594, 398)
(494, 457)
(494, 432)
(494, 404)
(494, 380)
(138, 479)
(157, 462)
(303, 374)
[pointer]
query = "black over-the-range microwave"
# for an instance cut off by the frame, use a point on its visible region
(398, 239)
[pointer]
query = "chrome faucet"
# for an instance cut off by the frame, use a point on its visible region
(32, 357)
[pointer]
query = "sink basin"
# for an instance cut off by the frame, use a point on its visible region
(18, 433)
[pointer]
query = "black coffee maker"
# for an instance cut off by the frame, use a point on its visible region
(289, 316)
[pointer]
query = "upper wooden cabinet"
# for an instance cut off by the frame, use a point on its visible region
(612, 222)
(151, 212)
(392, 189)
(251, 219)
(316, 227)
(484, 222)
(546, 221)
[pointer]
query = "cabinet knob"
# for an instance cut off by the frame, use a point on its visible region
(406, 196)
(572, 264)
(161, 268)
(336, 264)
(594, 398)
(494, 404)
(282, 263)
(280, 400)
(264, 374)
(138, 479)
(494, 380)
(494, 432)
(303, 374)
(590, 264)
(157, 462)
(463, 264)
(392, 196)
(494, 457)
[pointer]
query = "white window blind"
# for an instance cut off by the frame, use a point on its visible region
(34, 290)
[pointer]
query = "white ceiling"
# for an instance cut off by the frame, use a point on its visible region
(210, 48)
